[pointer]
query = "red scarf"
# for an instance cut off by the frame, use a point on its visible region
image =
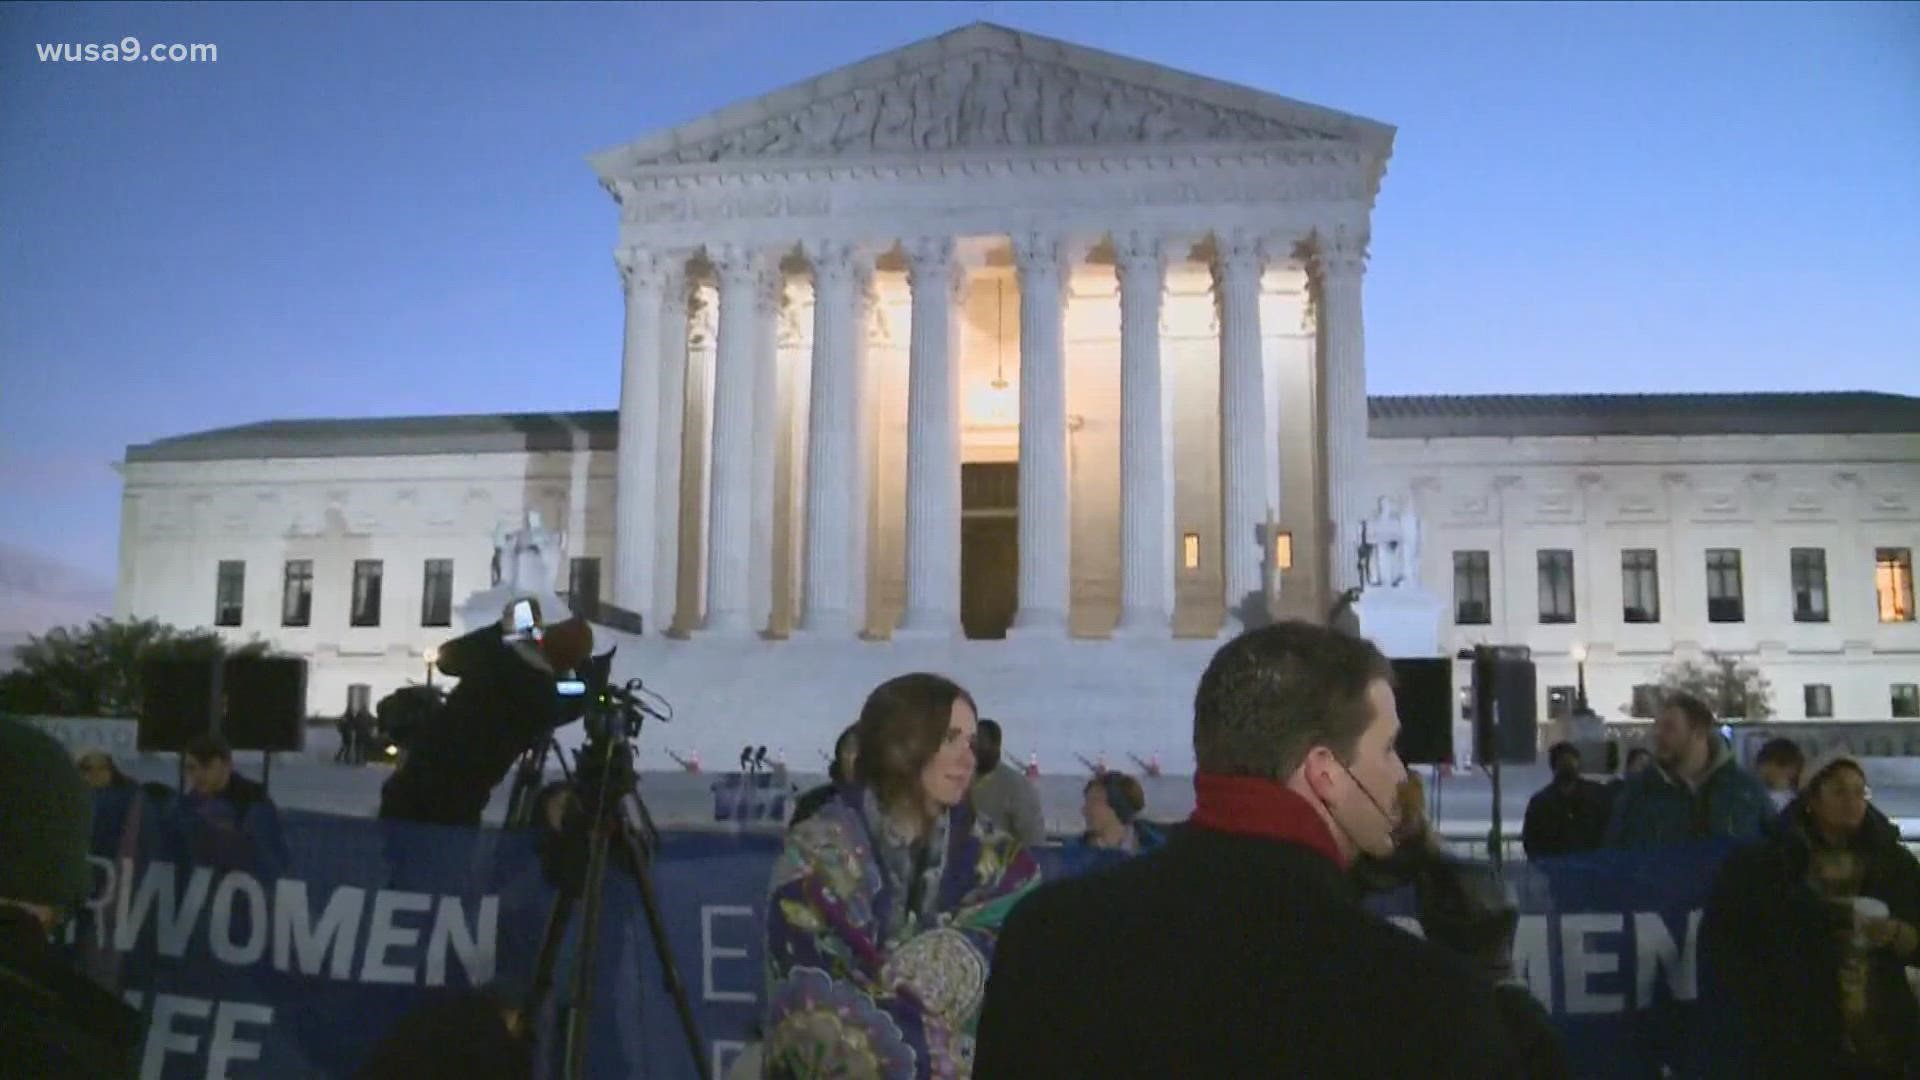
(1252, 806)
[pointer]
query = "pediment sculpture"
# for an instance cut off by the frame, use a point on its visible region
(987, 99)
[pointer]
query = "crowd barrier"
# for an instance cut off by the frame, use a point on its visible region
(295, 966)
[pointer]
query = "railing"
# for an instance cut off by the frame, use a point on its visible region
(1474, 844)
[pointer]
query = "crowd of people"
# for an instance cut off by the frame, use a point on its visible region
(909, 932)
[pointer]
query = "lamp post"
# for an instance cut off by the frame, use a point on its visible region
(431, 656)
(1580, 680)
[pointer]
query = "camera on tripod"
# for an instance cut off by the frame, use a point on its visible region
(594, 820)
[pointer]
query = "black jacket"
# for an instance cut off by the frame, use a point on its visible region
(1770, 957)
(1227, 956)
(1562, 821)
(53, 1021)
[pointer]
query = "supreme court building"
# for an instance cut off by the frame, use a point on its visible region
(1040, 367)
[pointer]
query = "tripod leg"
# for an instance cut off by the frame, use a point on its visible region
(580, 1012)
(663, 950)
(550, 939)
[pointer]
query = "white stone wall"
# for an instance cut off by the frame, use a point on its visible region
(182, 519)
(1678, 496)
(1509, 497)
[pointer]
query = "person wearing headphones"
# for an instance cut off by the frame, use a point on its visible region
(1241, 947)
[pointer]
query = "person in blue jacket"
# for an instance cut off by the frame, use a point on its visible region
(225, 820)
(1694, 788)
(1112, 807)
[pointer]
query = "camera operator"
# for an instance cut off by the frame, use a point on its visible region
(1241, 946)
(505, 702)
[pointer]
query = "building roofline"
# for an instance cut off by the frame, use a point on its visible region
(1390, 417)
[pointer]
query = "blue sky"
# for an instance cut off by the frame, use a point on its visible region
(364, 210)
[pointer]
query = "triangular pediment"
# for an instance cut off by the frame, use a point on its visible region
(985, 87)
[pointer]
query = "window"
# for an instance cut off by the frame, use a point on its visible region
(1819, 698)
(1646, 700)
(229, 593)
(1893, 582)
(1466, 703)
(366, 592)
(1905, 700)
(1809, 584)
(1472, 589)
(1725, 599)
(1556, 586)
(1190, 551)
(1559, 702)
(1640, 585)
(436, 594)
(583, 587)
(296, 593)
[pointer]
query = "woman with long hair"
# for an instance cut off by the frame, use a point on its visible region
(886, 903)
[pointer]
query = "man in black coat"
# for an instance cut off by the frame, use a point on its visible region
(54, 1022)
(1568, 815)
(1241, 947)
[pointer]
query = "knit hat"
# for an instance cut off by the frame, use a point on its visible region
(1824, 764)
(46, 820)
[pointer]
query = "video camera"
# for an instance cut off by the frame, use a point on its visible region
(517, 685)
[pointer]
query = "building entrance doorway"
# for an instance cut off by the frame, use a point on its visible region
(989, 547)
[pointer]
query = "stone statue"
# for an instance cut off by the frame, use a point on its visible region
(527, 560)
(1394, 531)
(1409, 545)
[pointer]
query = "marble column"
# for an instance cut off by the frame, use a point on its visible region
(866, 327)
(1146, 563)
(1043, 521)
(644, 275)
(933, 442)
(1339, 266)
(675, 317)
(742, 274)
(768, 300)
(1238, 263)
(832, 443)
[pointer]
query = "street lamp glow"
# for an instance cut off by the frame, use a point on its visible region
(1579, 653)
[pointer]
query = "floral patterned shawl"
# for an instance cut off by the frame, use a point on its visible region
(858, 985)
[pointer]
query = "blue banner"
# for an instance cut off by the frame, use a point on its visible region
(292, 958)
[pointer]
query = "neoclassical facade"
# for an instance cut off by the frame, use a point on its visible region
(1040, 367)
(987, 248)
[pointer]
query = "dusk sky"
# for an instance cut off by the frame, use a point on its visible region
(377, 210)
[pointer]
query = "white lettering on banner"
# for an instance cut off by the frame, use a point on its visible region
(221, 929)
(223, 1049)
(299, 944)
(1532, 960)
(102, 898)
(1654, 952)
(709, 952)
(177, 913)
(1654, 949)
(227, 1047)
(725, 1051)
(1579, 965)
(385, 936)
(450, 932)
(162, 1039)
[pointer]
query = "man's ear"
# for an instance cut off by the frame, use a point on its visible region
(1317, 772)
